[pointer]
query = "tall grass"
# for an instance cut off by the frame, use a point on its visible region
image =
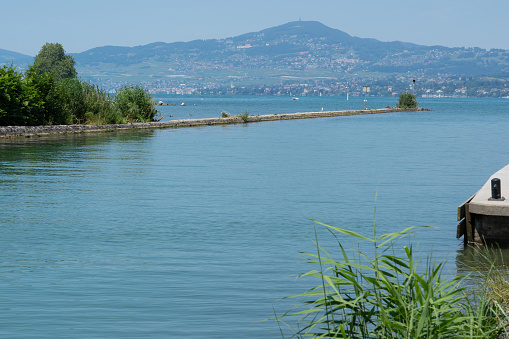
(135, 104)
(387, 295)
(489, 271)
(88, 104)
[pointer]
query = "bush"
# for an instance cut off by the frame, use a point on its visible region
(49, 93)
(387, 296)
(100, 107)
(88, 103)
(12, 94)
(34, 98)
(73, 101)
(135, 104)
(244, 115)
(22, 97)
(53, 110)
(407, 100)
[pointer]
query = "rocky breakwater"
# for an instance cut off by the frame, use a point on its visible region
(29, 131)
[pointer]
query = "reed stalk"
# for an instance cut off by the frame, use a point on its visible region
(387, 295)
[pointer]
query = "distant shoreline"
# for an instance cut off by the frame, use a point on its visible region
(34, 131)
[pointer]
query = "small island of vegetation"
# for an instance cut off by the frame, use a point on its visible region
(50, 93)
(407, 100)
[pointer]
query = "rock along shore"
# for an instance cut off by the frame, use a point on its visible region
(28, 131)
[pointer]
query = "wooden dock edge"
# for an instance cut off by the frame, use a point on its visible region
(464, 227)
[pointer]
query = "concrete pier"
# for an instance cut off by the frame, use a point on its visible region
(484, 219)
(28, 131)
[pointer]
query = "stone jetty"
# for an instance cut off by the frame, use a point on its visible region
(29, 131)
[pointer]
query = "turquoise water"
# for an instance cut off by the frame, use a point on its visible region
(196, 232)
(208, 106)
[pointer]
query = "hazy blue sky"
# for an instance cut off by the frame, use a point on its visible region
(26, 25)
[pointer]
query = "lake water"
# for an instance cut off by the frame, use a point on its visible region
(196, 232)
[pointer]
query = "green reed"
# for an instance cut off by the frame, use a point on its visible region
(489, 271)
(387, 296)
(135, 104)
(88, 104)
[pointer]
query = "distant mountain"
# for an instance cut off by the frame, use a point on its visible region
(17, 59)
(288, 39)
(303, 49)
(291, 39)
(297, 52)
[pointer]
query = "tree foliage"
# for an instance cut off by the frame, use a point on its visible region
(407, 100)
(52, 59)
(21, 99)
(11, 95)
(50, 93)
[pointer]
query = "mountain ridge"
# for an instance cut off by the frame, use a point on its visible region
(15, 58)
(304, 52)
(301, 29)
(314, 29)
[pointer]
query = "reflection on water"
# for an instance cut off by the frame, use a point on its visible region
(11, 148)
(481, 257)
(30, 155)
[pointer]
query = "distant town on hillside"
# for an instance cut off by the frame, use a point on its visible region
(298, 58)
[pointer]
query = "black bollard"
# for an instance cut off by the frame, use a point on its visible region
(496, 189)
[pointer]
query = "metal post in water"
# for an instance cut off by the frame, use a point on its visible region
(366, 90)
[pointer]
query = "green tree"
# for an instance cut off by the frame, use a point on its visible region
(52, 59)
(53, 94)
(11, 91)
(21, 102)
(407, 100)
(30, 98)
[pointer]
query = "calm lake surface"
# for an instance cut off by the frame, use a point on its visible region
(196, 232)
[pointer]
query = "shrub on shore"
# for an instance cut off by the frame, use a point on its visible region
(88, 104)
(388, 296)
(244, 115)
(15, 98)
(34, 98)
(407, 100)
(29, 98)
(135, 104)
